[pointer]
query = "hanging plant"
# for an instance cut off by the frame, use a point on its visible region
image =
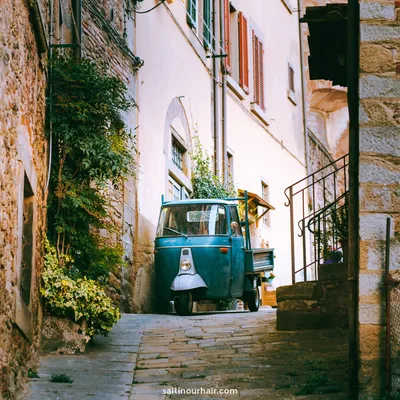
(92, 152)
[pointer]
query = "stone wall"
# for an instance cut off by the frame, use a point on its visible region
(23, 170)
(379, 178)
(108, 39)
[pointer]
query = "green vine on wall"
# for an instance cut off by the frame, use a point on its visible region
(92, 152)
(206, 185)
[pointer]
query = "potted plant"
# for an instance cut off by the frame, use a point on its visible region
(341, 229)
(270, 278)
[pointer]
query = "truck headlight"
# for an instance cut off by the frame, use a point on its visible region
(186, 265)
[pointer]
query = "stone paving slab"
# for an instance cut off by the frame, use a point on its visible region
(147, 356)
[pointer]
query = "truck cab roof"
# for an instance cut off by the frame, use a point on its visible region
(199, 201)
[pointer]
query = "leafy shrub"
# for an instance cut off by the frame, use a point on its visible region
(78, 300)
(206, 185)
(92, 152)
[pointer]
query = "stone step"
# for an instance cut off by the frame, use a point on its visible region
(299, 291)
(328, 272)
(315, 305)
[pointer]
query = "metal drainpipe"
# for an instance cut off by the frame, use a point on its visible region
(224, 99)
(78, 20)
(303, 101)
(216, 92)
(303, 90)
(50, 77)
(353, 48)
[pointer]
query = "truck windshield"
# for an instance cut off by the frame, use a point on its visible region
(192, 220)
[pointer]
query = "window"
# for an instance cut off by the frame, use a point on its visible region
(177, 154)
(235, 223)
(243, 54)
(176, 191)
(193, 220)
(258, 72)
(291, 84)
(236, 46)
(192, 7)
(291, 78)
(230, 168)
(27, 243)
(265, 196)
(207, 23)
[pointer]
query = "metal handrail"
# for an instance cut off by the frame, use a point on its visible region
(315, 173)
(319, 191)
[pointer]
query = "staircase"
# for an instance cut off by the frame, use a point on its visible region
(318, 296)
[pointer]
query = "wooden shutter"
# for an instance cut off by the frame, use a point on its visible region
(261, 60)
(243, 54)
(207, 23)
(258, 71)
(227, 34)
(192, 13)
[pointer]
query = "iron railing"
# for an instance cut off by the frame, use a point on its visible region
(317, 197)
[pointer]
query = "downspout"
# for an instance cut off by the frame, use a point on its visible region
(77, 10)
(216, 101)
(50, 93)
(303, 103)
(303, 90)
(353, 48)
(224, 121)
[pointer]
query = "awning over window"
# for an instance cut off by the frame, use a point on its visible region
(256, 201)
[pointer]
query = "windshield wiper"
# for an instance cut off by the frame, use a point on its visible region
(173, 230)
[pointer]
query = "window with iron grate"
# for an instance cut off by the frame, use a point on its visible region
(177, 154)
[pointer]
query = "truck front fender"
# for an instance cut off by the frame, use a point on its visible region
(187, 282)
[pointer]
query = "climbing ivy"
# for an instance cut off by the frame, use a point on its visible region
(92, 152)
(206, 185)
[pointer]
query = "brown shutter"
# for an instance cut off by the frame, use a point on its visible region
(256, 74)
(243, 54)
(261, 58)
(258, 71)
(227, 34)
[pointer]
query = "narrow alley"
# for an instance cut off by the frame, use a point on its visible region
(222, 355)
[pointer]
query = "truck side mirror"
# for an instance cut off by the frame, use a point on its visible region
(242, 223)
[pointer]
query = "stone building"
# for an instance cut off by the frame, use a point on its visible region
(246, 111)
(105, 33)
(379, 196)
(23, 174)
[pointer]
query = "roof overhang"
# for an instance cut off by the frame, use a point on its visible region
(327, 42)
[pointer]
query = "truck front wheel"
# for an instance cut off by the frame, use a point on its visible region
(183, 303)
(254, 301)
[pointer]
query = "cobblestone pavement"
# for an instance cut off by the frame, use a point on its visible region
(159, 356)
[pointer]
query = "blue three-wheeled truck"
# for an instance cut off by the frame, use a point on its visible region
(201, 254)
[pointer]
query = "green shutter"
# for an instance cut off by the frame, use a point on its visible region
(207, 23)
(192, 13)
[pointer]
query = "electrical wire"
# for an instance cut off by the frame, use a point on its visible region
(151, 9)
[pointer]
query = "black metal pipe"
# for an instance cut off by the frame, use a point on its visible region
(353, 48)
(77, 10)
(388, 350)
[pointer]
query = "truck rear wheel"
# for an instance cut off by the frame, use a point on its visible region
(183, 303)
(254, 301)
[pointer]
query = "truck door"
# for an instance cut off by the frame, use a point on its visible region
(237, 240)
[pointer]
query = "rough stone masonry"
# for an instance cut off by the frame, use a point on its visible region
(23, 168)
(379, 177)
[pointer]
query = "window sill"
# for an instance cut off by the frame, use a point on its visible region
(292, 97)
(259, 112)
(287, 5)
(234, 86)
